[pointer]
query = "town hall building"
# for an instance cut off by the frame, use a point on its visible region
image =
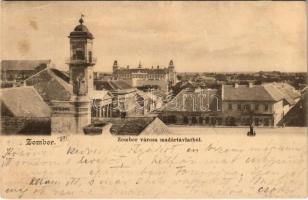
(153, 77)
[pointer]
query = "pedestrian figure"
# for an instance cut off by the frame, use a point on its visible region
(251, 131)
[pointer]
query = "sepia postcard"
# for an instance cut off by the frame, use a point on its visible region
(162, 99)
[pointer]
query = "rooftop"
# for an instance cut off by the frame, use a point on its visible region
(23, 64)
(271, 92)
(51, 84)
(23, 102)
(112, 85)
(135, 125)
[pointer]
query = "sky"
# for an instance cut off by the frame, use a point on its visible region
(198, 36)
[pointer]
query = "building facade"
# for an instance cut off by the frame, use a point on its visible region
(16, 71)
(193, 107)
(262, 105)
(232, 105)
(151, 77)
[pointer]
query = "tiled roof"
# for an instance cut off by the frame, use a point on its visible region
(130, 126)
(24, 102)
(244, 93)
(288, 89)
(22, 64)
(112, 85)
(51, 84)
(266, 92)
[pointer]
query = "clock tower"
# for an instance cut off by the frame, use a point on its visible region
(73, 115)
(81, 60)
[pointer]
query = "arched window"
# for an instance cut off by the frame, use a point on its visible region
(214, 103)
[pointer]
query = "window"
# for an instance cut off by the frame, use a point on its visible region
(80, 54)
(90, 56)
(247, 107)
(230, 106)
(257, 107)
(239, 107)
(265, 107)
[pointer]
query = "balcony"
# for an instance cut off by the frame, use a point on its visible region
(75, 61)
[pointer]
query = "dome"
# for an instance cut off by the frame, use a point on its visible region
(81, 31)
(81, 27)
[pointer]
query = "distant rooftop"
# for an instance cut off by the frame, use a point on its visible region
(22, 64)
(112, 85)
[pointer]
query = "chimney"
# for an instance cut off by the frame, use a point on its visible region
(127, 66)
(235, 85)
(157, 66)
(250, 84)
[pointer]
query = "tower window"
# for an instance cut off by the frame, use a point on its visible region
(90, 56)
(80, 54)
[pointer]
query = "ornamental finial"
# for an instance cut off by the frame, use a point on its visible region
(81, 19)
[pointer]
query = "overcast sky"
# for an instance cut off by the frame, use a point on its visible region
(198, 36)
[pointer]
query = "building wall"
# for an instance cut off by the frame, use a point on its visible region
(67, 119)
(19, 75)
(278, 111)
(192, 118)
(235, 117)
(261, 107)
(14, 75)
(25, 125)
(257, 112)
(150, 77)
